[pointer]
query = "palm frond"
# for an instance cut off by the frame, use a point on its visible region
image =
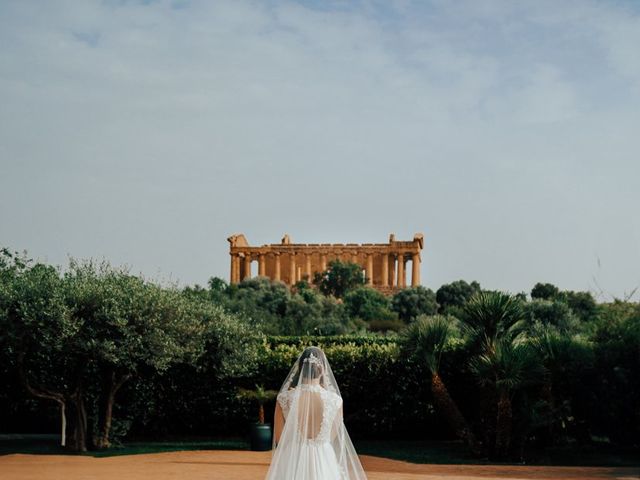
(427, 337)
(558, 350)
(511, 364)
(259, 394)
(489, 315)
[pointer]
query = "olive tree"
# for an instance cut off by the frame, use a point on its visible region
(126, 323)
(77, 338)
(37, 332)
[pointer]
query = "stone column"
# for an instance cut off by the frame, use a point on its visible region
(415, 270)
(405, 261)
(354, 257)
(292, 268)
(401, 275)
(369, 270)
(323, 261)
(392, 270)
(247, 266)
(238, 268)
(385, 269)
(240, 276)
(262, 265)
(307, 267)
(277, 273)
(232, 276)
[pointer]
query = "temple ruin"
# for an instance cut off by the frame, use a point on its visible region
(384, 265)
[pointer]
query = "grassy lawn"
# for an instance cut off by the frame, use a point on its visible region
(416, 451)
(456, 453)
(408, 450)
(48, 445)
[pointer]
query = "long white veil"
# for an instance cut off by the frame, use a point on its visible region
(310, 440)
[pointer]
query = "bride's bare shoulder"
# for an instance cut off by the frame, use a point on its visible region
(285, 393)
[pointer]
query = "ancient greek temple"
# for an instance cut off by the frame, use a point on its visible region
(384, 265)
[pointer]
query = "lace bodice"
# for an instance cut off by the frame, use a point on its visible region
(331, 403)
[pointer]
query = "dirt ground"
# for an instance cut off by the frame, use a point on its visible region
(244, 465)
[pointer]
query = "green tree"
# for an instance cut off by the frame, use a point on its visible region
(259, 395)
(454, 295)
(550, 312)
(310, 312)
(568, 358)
(276, 310)
(261, 301)
(367, 304)
(544, 291)
(36, 331)
(582, 304)
(616, 344)
(96, 328)
(217, 284)
(509, 365)
(501, 358)
(127, 323)
(339, 278)
(409, 303)
(426, 340)
(488, 316)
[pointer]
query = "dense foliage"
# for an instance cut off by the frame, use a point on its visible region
(76, 339)
(452, 296)
(339, 278)
(409, 303)
(277, 310)
(113, 355)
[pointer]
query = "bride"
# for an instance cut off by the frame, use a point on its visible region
(310, 439)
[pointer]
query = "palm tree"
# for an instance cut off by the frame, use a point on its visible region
(504, 358)
(562, 355)
(260, 396)
(489, 315)
(509, 365)
(426, 339)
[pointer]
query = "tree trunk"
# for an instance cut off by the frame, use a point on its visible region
(63, 426)
(503, 424)
(456, 420)
(547, 394)
(261, 414)
(79, 423)
(102, 440)
(41, 392)
(110, 387)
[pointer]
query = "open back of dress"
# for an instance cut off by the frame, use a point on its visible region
(311, 414)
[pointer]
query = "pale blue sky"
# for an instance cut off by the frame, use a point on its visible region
(148, 132)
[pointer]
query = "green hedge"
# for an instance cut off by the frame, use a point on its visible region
(329, 340)
(383, 394)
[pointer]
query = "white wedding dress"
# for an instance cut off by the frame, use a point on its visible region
(313, 443)
(308, 458)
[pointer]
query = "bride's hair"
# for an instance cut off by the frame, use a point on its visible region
(314, 357)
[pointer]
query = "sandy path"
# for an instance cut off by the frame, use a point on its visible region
(244, 465)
